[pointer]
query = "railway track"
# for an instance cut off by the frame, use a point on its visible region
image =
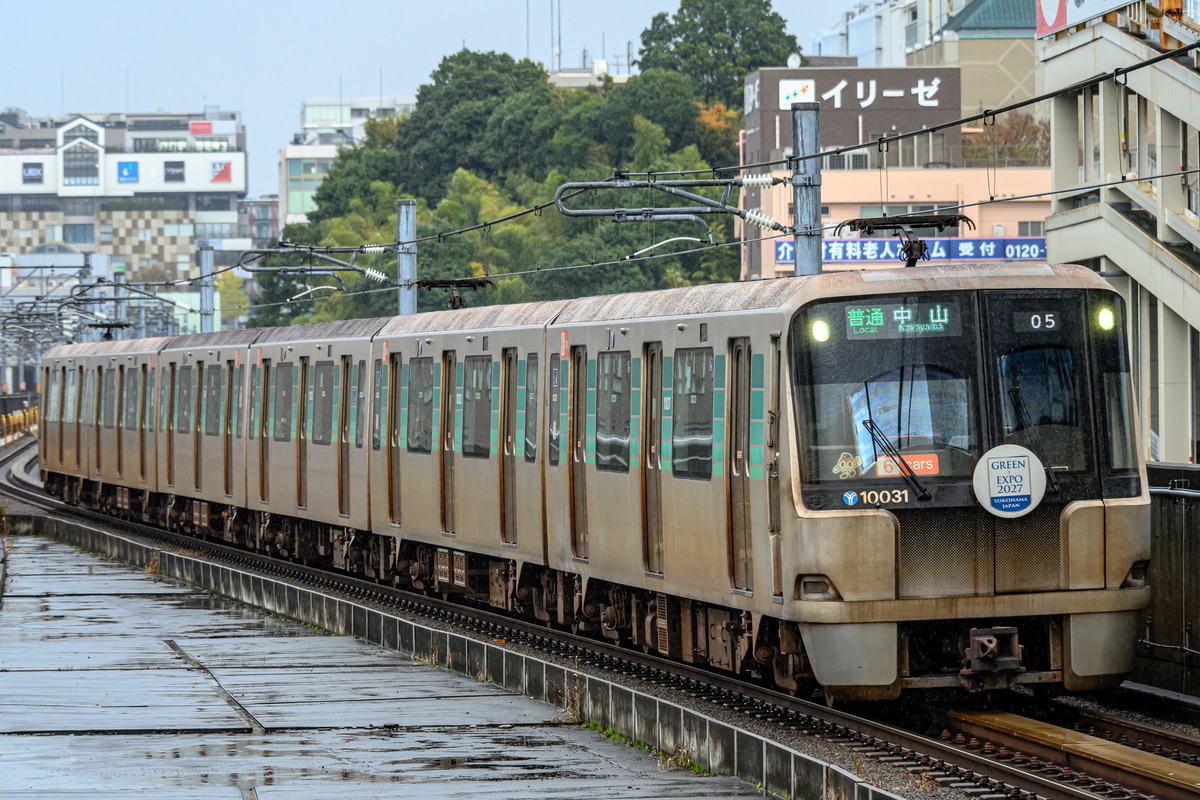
(999, 764)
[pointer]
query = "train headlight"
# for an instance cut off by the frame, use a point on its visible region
(1106, 319)
(820, 330)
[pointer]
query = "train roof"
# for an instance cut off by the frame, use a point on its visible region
(323, 331)
(521, 315)
(712, 298)
(113, 348)
(232, 338)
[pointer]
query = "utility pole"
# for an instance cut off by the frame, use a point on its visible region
(120, 307)
(86, 334)
(406, 255)
(206, 287)
(806, 188)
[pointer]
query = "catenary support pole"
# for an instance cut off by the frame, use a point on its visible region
(806, 188)
(206, 287)
(120, 307)
(406, 255)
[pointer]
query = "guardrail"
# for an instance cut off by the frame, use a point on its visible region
(1168, 653)
(15, 425)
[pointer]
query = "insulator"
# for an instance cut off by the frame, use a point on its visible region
(758, 180)
(756, 217)
(375, 248)
(375, 275)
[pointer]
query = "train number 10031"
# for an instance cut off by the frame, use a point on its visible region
(872, 497)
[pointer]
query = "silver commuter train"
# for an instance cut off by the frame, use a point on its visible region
(772, 478)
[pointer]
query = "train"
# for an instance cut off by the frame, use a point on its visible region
(859, 483)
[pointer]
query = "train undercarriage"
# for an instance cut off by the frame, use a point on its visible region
(972, 654)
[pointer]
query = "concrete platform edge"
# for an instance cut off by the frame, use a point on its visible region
(680, 733)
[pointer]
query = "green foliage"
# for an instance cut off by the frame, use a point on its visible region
(717, 43)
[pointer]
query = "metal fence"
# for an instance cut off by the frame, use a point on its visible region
(18, 402)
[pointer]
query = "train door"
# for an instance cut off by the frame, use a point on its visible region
(774, 526)
(349, 389)
(449, 384)
(395, 371)
(75, 413)
(172, 422)
(304, 400)
(227, 434)
(122, 403)
(508, 436)
(737, 454)
(266, 411)
(577, 423)
(62, 404)
(199, 423)
(652, 522)
(146, 433)
(98, 408)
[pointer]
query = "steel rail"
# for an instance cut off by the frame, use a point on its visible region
(903, 748)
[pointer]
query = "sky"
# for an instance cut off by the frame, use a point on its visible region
(263, 57)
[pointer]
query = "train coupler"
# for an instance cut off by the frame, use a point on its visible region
(991, 659)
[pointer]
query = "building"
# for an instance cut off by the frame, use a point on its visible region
(138, 188)
(1144, 234)
(584, 78)
(872, 33)
(258, 220)
(326, 123)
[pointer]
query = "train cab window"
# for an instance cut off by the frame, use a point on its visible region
(132, 394)
(531, 407)
(239, 380)
(477, 407)
(108, 401)
(692, 413)
(185, 405)
(323, 403)
(1106, 320)
(213, 375)
(282, 402)
(376, 403)
(255, 384)
(421, 391)
(613, 375)
(360, 416)
(553, 410)
(71, 397)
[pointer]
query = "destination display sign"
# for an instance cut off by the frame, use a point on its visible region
(1045, 320)
(895, 320)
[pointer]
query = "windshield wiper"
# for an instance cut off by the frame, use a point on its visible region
(1014, 393)
(891, 452)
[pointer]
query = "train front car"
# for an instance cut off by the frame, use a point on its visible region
(972, 505)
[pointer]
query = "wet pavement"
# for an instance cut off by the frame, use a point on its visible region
(114, 683)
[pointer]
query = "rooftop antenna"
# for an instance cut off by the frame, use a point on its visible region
(552, 35)
(560, 35)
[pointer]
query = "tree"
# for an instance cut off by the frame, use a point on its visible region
(717, 43)
(234, 300)
(1016, 139)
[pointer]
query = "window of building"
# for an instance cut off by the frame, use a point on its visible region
(1031, 228)
(81, 166)
(212, 202)
(79, 234)
(477, 407)
(182, 229)
(36, 202)
(6, 143)
(183, 263)
(283, 402)
(106, 234)
(54, 233)
(81, 132)
(613, 373)
(323, 402)
(692, 423)
(421, 392)
(214, 230)
(78, 206)
(35, 144)
(212, 146)
(144, 234)
(531, 407)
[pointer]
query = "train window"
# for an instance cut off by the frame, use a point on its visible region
(108, 401)
(71, 397)
(613, 375)
(692, 413)
(531, 407)
(164, 392)
(376, 402)
(52, 399)
(255, 381)
(239, 380)
(148, 409)
(185, 405)
(421, 391)
(213, 375)
(323, 403)
(282, 402)
(132, 393)
(477, 407)
(554, 443)
(360, 416)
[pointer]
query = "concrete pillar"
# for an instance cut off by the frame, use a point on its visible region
(1175, 381)
(1141, 137)
(1089, 136)
(1064, 147)
(1109, 137)
(1140, 325)
(806, 188)
(1170, 161)
(406, 255)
